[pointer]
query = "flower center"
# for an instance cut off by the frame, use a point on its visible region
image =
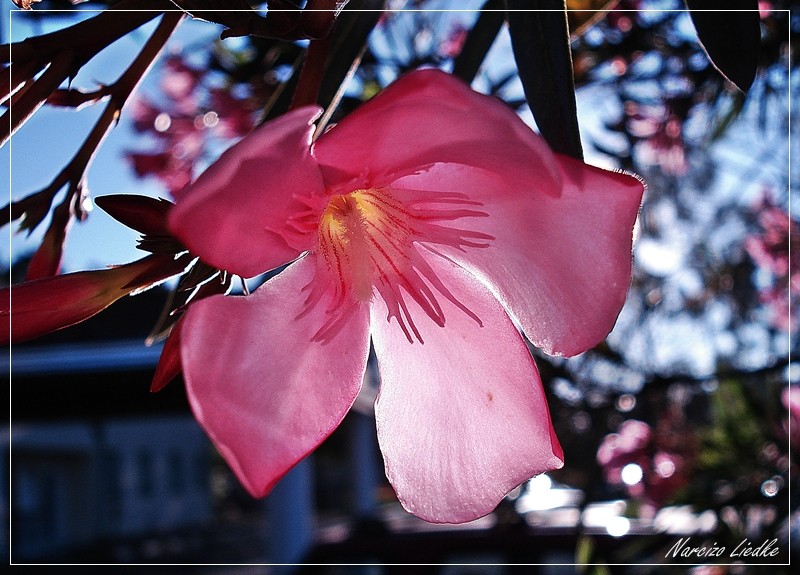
(352, 234)
(368, 245)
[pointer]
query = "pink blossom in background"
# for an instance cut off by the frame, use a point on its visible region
(790, 397)
(659, 133)
(620, 14)
(628, 445)
(185, 122)
(424, 222)
(770, 250)
(662, 455)
(452, 45)
(180, 82)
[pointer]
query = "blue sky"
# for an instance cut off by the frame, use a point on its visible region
(50, 138)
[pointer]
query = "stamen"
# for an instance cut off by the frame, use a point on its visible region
(368, 245)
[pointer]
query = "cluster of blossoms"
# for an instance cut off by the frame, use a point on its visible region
(790, 397)
(645, 462)
(192, 115)
(772, 252)
(433, 222)
(659, 132)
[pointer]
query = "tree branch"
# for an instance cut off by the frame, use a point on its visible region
(74, 173)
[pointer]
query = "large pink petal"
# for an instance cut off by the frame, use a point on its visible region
(265, 394)
(462, 419)
(241, 213)
(429, 116)
(561, 265)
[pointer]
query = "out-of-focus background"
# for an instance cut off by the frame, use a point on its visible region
(679, 425)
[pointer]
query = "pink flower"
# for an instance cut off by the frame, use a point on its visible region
(665, 148)
(424, 221)
(235, 114)
(178, 127)
(776, 250)
(790, 397)
(179, 82)
(452, 45)
(628, 445)
(174, 172)
(657, 472)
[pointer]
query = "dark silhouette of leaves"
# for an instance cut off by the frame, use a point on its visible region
(479, 40)
(540, 39)
(730, 34)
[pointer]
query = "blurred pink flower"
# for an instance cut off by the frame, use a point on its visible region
(620, 14)
(143, 114)
(790, 397)
(771, 251)
(179, 83)
(234, 115)
(173, 172)
(661, 136)
(421, 221)
(669, 473)
(656, 471)
(187, 119)
(451, 46)
(628, 445)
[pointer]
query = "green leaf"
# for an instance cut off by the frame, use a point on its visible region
(730, 33)
(540, 39)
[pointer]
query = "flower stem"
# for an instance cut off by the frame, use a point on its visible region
(88, 37)
(122, 90)
(310, 80)
(63, 53)
(32, 97)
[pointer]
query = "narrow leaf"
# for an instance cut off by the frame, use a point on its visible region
(349, 35)
(730, 33)
(540, 40)
(479, 40)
